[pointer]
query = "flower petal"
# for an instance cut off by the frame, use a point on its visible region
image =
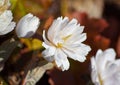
(61, 60)
(5, 19)
(77, 52)
(45, 39)
(53, 31)
(77, 38)
(75, 56)
(112, 76)
(115, 66)
(94, 72)
(6, 25)
(49, 53)
(103, 57)
(53, 27)
(8, 29)
(69, 28)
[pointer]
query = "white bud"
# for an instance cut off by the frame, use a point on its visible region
(27, 26)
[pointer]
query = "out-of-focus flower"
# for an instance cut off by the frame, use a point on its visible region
(6, 25)
(64, 40)
(94, 8)
(27, 26)
(4, 4)
(105, 69)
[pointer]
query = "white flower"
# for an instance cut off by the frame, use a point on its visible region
(27, 26)
(63, 40)
(6, 25)
(105, 69)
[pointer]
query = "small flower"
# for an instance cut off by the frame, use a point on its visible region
(105, 69)
(6, 25)
(63, 40)
(27, 26)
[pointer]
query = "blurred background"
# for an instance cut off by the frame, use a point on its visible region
(101, 19)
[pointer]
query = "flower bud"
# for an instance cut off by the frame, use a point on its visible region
(27, 26)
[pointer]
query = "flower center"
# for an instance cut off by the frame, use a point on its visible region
(65, 38)
(59, 45)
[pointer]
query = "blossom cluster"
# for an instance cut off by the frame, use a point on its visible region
(64, 38)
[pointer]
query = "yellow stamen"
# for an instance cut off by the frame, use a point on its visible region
(100, 79)
(65, 38)
(59, 45)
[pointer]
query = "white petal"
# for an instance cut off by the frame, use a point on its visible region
(8, 29)
(73, 29)
(94, 72)
(93, 64)
(5, 19)
(49, 53)
(53, 31)
(79, 29)
(111, 53)
(45, 39)
(69, 28)
(103, 58)
(113, 78)
(77, 38)
(61, 60)
(64, 22)
(117, 62)
(6, 25)
(77, 52)
(45, 45)
(98, 53)
(112, 69)
(74, 55)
